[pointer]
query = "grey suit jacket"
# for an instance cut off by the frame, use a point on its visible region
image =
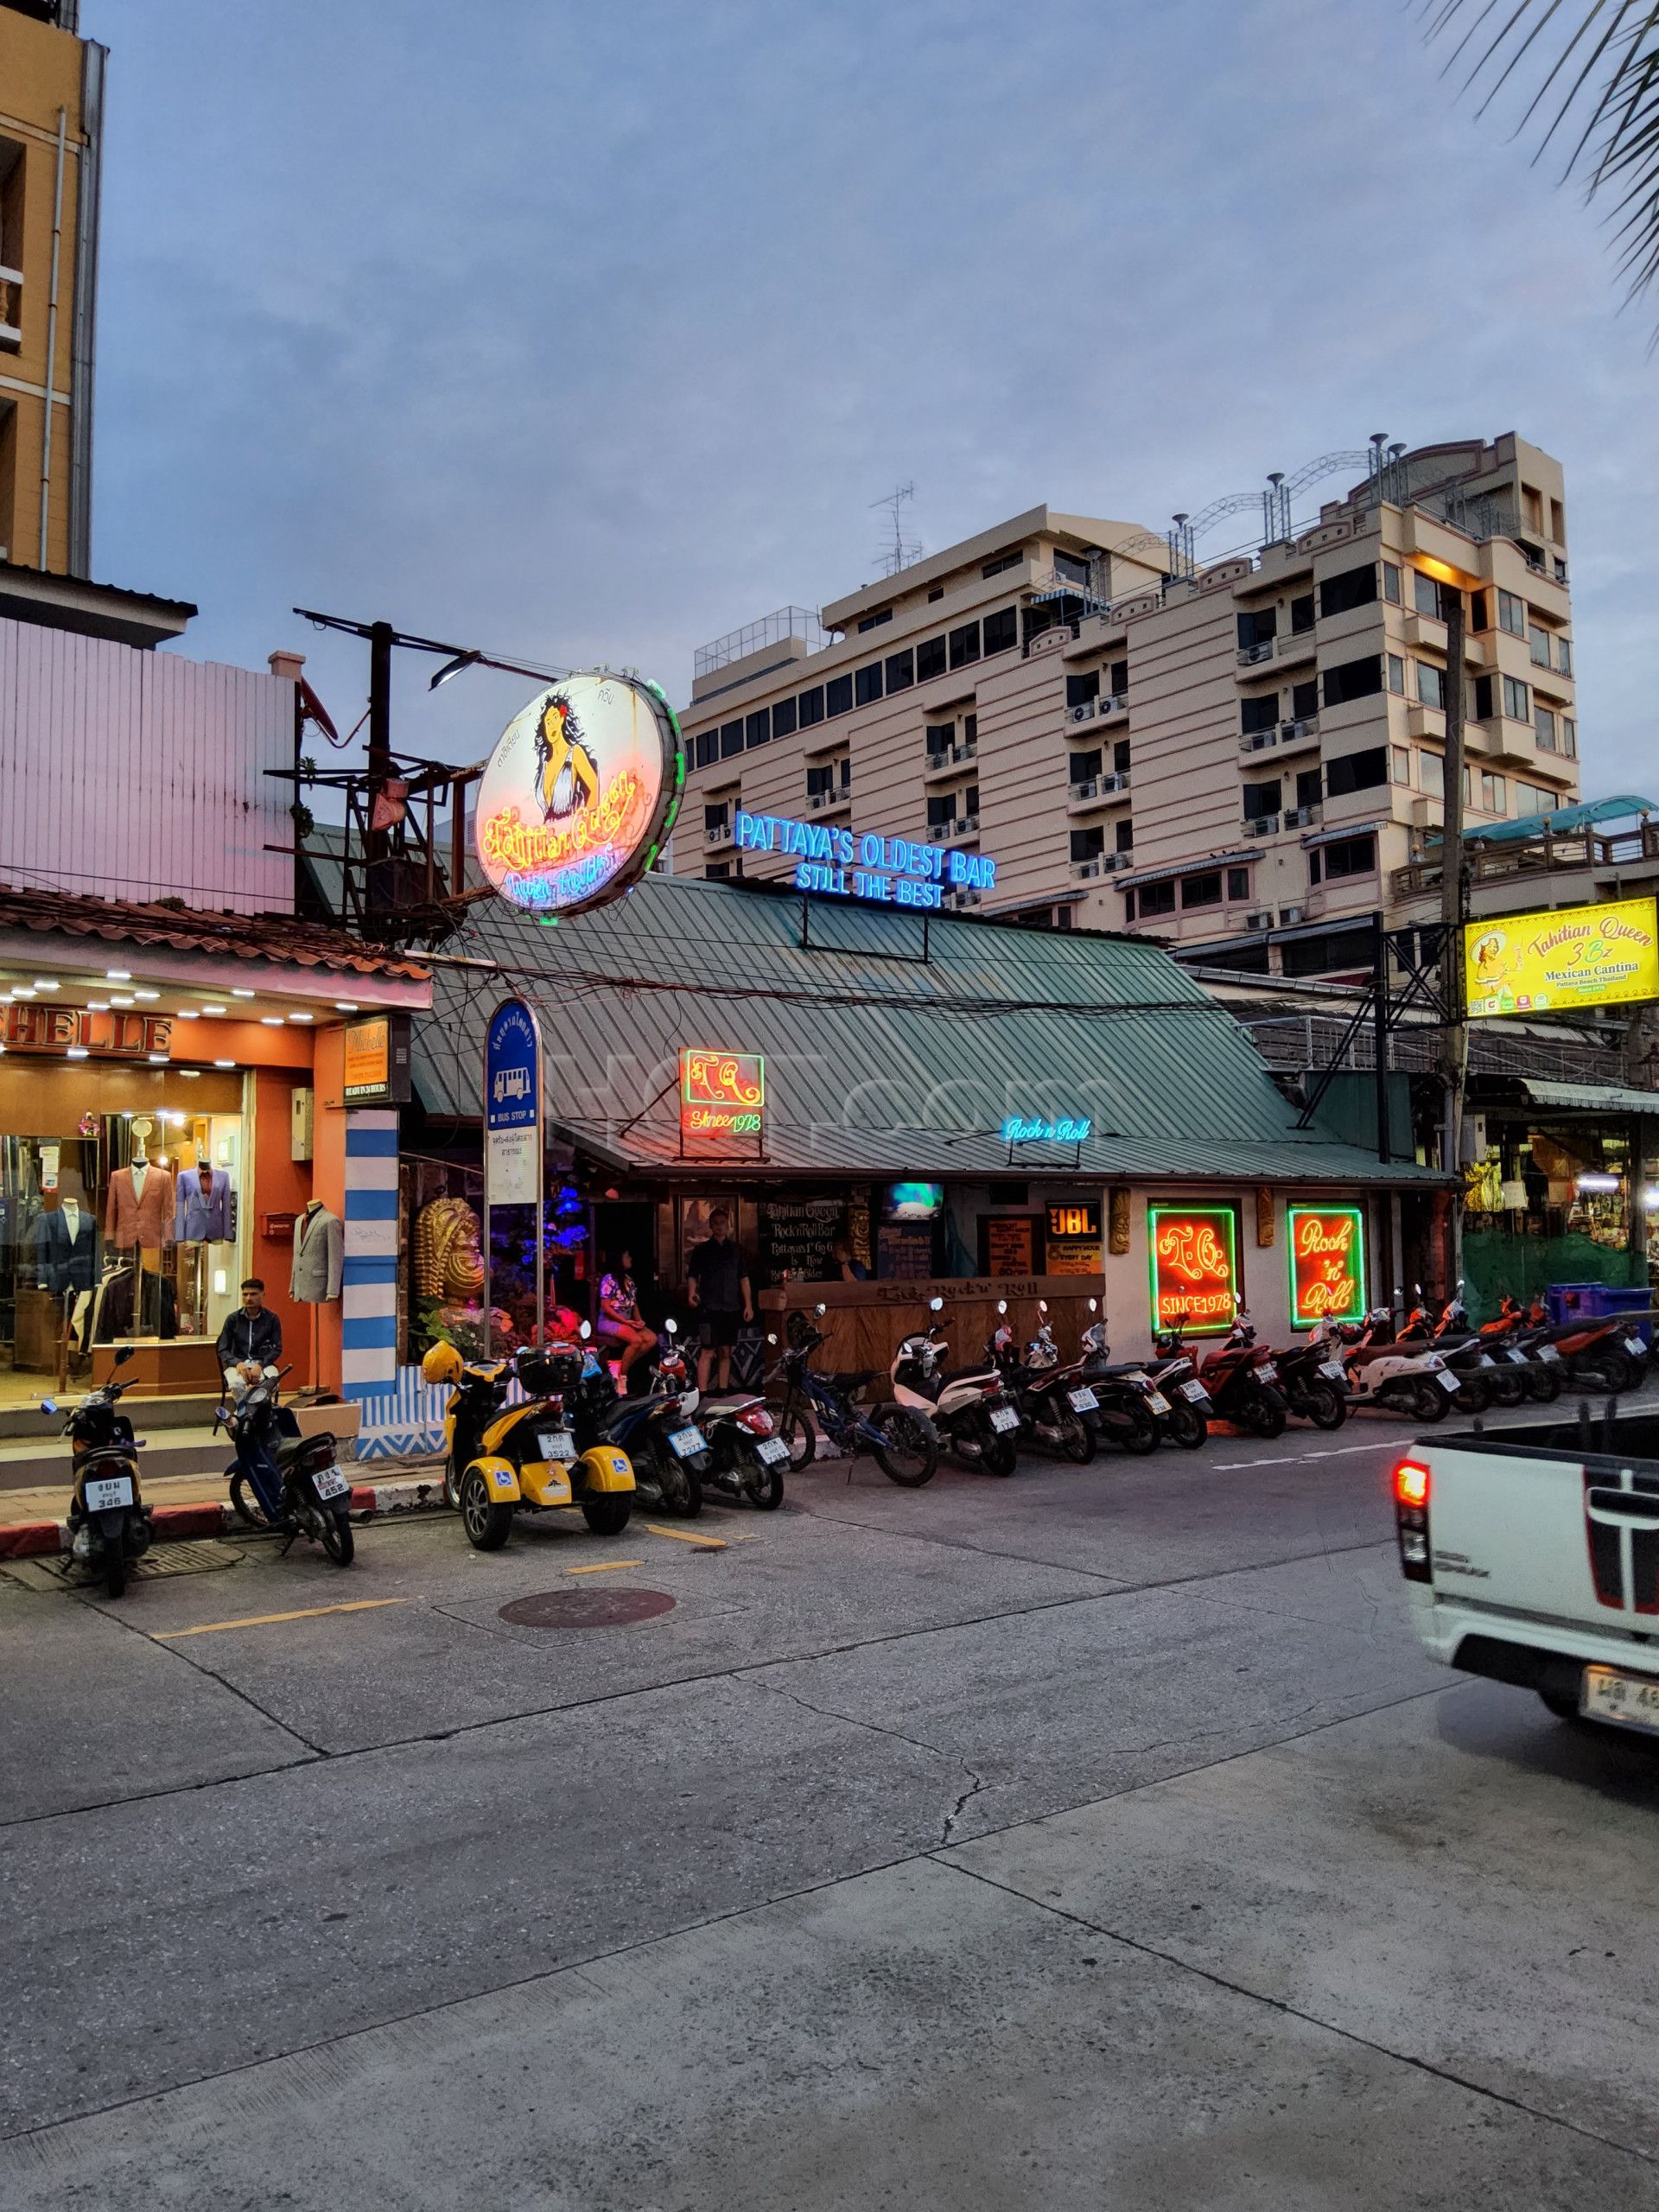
(318, 1257)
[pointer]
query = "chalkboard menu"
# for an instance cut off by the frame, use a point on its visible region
(1009, 1243)
(795, 1234)
(905, 1251)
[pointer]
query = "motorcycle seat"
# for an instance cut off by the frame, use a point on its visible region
(852, 1378)
(987, 1375)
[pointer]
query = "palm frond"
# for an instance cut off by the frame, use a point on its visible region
(1595, 67)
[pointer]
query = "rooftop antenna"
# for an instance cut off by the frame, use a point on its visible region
(903, 550)
(1275, 515)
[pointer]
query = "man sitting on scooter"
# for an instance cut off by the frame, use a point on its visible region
(249, 1341)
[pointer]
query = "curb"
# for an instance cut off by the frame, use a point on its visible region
(176, 1524)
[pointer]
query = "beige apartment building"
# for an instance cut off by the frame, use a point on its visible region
(1237, 758)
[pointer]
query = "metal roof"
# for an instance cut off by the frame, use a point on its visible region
(1591, 1097)
(878, 1061)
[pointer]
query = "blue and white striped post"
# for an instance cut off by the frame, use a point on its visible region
(369, 1280)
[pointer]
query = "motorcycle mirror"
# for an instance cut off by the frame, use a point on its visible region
(126, 1353)
(672, 1326)
(772, 1336)
(1042, 1306)
(1094, 1305)
(936, 1306)
(1001, 1304)
(585, 1330)
(820, 1309)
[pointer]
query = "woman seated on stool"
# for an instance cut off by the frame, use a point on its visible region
(619, 1321)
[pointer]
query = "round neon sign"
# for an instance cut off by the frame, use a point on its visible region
(579, 793)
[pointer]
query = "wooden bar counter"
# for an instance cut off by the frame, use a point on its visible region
(865, 1320)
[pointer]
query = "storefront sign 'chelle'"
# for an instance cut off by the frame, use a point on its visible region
(1194, 1254)
(723, 1098)
(580, 794)
(1328, 1264)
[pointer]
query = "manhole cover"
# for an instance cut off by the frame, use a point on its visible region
(586, 1608)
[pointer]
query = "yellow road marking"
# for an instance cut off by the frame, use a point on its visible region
(683, 1536)
(266, 1620)
(604, 1566)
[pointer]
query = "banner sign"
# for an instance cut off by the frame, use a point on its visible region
(580, 794)
(1074, 1241)
(891, 871)
(376, 1063)
(1556, 961)
(1328, 1264)
(513, 1107)
(723, 1098)
(1194, 1259)
(73, 1029)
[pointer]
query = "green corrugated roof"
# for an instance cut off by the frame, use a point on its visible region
(878, 1061)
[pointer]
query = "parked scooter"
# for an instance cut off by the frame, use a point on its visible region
(1409, 1379)
(1515, 1336)
(1243, 1379)
(975, 1416)
(1313, 1379)
(1053, 1400)
(746, 1457)
(1133, 1410)
(898, 1433)
(1601, 1355)
(1481, 1381)
(280, 1480)
(669, 1452)
(109, 1521)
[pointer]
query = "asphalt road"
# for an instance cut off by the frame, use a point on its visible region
(1096, 1837)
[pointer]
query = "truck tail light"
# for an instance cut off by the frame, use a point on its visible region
(1411, 1484)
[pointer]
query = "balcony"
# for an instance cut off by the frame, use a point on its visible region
(828, 802)
(11, 309)
(1253, 656)
(1089, 710)
(1097, 791)
(951, 756)
(1261, 826)
(1282, 734)
(719, 834)
(1302, 817)
(948, 833)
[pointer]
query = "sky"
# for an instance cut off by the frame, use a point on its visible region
(586, 333)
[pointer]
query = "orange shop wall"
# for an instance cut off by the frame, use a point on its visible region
(283, 1186)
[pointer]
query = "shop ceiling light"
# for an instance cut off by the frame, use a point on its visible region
(75, 1052)
(21, 994)
(271, 1020)
(118, 975)
(176, 1119)
(158, 1059)
(118, 1000)
(1598, 1182)
(237, 993)
(191, 1075)
(302, 1017)
(46, 983)
(346, 1006)
(146, 994)
(98, 1006)
(212, 1009)
(189, 1014)
(224, 1064)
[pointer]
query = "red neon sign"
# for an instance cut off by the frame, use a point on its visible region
(723, 1094)
(1194, 1255)
(1328, 1264)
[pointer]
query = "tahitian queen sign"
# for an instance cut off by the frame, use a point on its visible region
(579, 793)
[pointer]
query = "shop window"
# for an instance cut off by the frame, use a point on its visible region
(731, 740)
(838, 696)
(901, 671)
(964, 645)
(929, 659)
(1002, 631)
(783, 718)
(1353, 587)
(1258, 714)
(810, 706)
(757, 728)
(1080, 690)
(1353, 680)
(1157, 898)
(1356, 771)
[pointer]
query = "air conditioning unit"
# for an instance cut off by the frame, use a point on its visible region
(1250, 655)
(968, 822)
(1111, 862)
(1085, 713)
(720, 835)
(1262, 826)
(1258, 921)
(1293, 733)
(1111, 706)
(1089, 788)
(1084, 870)
(1258, 740)
(1288, 916)
(1296, 817)
(302, 1123)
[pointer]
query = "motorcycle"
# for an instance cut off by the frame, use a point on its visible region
(669, 1451)
(746, 1458)
(282, 1480)
(1132, 1410)
(1480, 1378)
(974, 1414)
(109, 1521)
(1314, 1380)
(1514, 1335)
(1409, 1379)
(1242, 1378)
(1053, 1400)
(898, 1433)
(500, 1460)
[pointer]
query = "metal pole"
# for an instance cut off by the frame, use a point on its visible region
(1455, 1035)
(1380, 1033)
(51, 345)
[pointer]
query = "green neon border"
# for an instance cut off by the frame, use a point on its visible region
(1356, 1215)
(1229, 1215)
(758, 1058)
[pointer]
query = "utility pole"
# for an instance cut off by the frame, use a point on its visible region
(1454, 1053)
(382, 637)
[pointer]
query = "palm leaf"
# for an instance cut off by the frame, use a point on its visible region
(1594, 68)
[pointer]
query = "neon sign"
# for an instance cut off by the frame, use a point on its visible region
(845, 864)
(579, 793)
(1328, 1264)
(723, 1094)
(1194, 1259)
(1018, 1129)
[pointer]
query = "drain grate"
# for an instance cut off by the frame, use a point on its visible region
(204, 1556)
(586, 1608)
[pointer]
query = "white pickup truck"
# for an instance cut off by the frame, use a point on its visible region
(1532, 1556)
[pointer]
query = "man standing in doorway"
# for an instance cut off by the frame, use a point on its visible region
(718, 1290)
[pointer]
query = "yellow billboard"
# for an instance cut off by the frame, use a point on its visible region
(1572, 957)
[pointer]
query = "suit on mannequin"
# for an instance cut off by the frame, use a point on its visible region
(66, 1242)
(140, 1210)
(318, 1256)
(203, 1216)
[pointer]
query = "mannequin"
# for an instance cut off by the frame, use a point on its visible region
(318, 1256)
(141, 1207)
(66, 1238)
(203, 1211)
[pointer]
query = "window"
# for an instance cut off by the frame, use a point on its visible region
(1431, 773)
(1494, 798)
(717, 872)
(1301, 614)
(1088, 844)
(970, 728)
(1511, 614)
(1126, 836)
(929, 659)
(1543, 728)
(1564, 655)
(941, 736)
(1530, 798)
(1426, 594)
(1003, 563)
(1399, 764)
(1157, 899)
(1391, 583)
(1309, 785)
(810, 704)
(1081, 689)
(937, 592)
(901, 671)
(1346, 856)
(1356, 771)
(1557, 522)
(838, 696)
(825, 778)
(969, 800)
(1070, 568)
(1258, 714)
(1431, 685)
(1239, 883)
(717, 816)
(1201, 889)
(1538, 645)
(1569, 737)
(1082, 767)
(1353, 587)
(867, 682)
(1318, 955)
(1478, 611)
(1304, 700)
(1535, 507)
(707, 747)
(964, 645)
(1516, 705)
(731, 740)
(757, 728)
(1396, 675)
(1120, 679)
(942, 811)
(1482, 698)
(783, 718)
(874, 621)
(1262, 800)
(1353, 680)
(1257, 626)
(1002, 631)
(1120, 757)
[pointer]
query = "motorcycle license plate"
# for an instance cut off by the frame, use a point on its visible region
(1004, 1417)
(1636, 1345)
(1548, 1351)
(1447, 1380)
(686, 1443)
(1194, 1390)
(1082, 1402)
(328, 1481)
(772, 1449)
(108, 1491)
(1268, 1374)
(1628, 1701)
(557, 1444)
(1334, 1368)
(1516, 1358)
(1158, 1402)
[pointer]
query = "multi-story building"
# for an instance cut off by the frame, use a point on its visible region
(1236, 759)
(51, 110)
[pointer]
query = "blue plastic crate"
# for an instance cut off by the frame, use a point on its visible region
(1610, 1299)
(1572, 1301)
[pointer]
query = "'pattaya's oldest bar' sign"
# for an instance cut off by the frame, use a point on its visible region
(1194, 1254)
(894, 871)
(1328, 1264)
